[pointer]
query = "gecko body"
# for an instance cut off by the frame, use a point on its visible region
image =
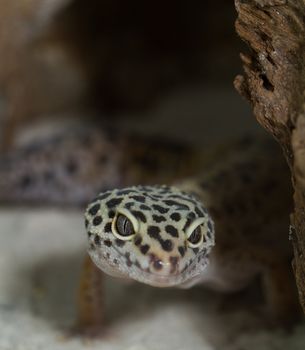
(219, 221)
(70, 167)
(222, 229)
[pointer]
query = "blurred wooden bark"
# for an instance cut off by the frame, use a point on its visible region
(274, 83)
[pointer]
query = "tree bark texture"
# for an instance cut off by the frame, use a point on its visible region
(274, 83)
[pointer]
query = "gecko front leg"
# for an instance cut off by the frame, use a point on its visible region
(90, 300)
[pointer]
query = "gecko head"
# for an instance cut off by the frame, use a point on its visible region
(156, 235)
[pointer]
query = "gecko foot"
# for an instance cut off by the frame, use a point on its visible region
(88, 332)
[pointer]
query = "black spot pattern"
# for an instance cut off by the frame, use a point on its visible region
(187, 199)
(188, 222)
(128, 261)
(167, 245)
(171, 230)
(160, 209)
(107, 227)
(158, 218)
(103, 196)
(139, 215)
(94, 209)
(129, 205)
(181, 251)
(175, 216)
(120, 242)
(107, 243)
(191, 216)
(114, 202)
(144, 207)
(144, 249)
(154, 232)
(178, 205)
(198, 212)
(140, 199)
(138, 240)
(97, 220)
(125, 192)
(97, 240)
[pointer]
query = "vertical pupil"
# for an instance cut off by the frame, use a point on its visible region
(127, 226)
(124, 226)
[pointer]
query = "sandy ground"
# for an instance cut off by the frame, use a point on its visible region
(40, 258)
(41, 251)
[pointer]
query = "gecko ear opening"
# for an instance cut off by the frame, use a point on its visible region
(124, 225)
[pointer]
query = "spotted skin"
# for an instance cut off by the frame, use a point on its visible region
(70, 167)
(241, 194)
(158, 253)
(243, 203)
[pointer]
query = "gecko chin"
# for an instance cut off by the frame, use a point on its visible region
(164, 280)
(161, 278)
(160, 281)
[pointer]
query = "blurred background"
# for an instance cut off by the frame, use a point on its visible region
(164, 67)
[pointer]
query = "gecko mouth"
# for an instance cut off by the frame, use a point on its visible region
(170, 280)
(139, 274)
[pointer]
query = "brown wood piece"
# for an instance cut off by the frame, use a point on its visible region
(274, 83)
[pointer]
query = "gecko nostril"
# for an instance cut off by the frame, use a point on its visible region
(158, 264)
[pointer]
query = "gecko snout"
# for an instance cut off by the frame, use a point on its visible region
(162, 266)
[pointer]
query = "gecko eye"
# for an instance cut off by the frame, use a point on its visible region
(194, 234)
(195, 237)
(124, 227)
